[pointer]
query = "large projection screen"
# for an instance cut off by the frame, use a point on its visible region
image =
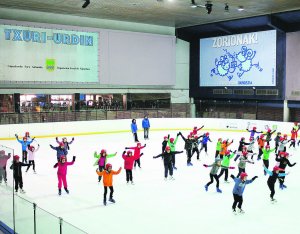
(36, 54)
(247, 59)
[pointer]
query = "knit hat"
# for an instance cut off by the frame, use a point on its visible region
(243, 175)
(16, 157)
(168, 148)
(108, 165)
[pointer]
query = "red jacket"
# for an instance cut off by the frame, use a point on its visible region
(129, 160)
(137, 151)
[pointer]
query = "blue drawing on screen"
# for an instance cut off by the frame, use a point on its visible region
(229, 65)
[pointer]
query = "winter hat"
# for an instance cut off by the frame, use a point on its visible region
(16, 157)
(168, 148)
(277, 168)
(61, 144)
(62, 157)
(165, 137)
(243, 175)
(138, 144)
(108, 165)
(171, 140)
(103, 151)
(218, 159)
(129, 152)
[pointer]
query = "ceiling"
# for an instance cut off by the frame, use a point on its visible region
(173, 13)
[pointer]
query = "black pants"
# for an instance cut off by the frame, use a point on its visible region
(276, 146)
(146, 133)
(128, 175)
(135, 137)
(168, 168)
(217, 153)
(240, 171)
(138, 162)
(266, 163)
(101, 168)
(173, 160)
(272, 189)
(293, 142)
(111, 188)
(33, 165)
(281, 179)
(24, 156)
(203, 146)
(226, 173)
(189, 155)
(18, 182)
(212, 180)
(195, 149)
(238, 200)
(260, 152)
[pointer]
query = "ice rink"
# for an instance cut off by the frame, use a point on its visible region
(154, 205)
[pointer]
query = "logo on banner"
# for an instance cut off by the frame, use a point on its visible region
(236, 63)
(50, 65)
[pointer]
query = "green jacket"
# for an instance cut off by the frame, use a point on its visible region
(219, 144)
(172, 145)
(266, 153)
(99, 155)
(226, 160)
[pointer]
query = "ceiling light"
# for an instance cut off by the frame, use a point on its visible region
(86, 3)
(208, 7)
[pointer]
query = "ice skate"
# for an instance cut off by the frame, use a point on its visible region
(281, 186)
(67, 191)
(206, 188)
(226, 181)
(132, 183)
(34, 172)
(219, 190)
(166, 179)
(241, 211)
(171, 178)
(127, 182)
(22, 191)
(59, 192)
(284, 186)
(112, 200)
(273, 200)
(234, 211)
(104, 202)
(175, 168)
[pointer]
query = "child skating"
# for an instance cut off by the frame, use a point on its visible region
(168, 165)
(25, 143)
(238, 190)
(62, 166)
(108, 174)
(17, 171)
(283, 162)
(31, 155)
(225, 164)
(65, 142)
(3, 162)
(137, 153)
(102, 160)
(172, 144)
(213, 173)
(129, 159)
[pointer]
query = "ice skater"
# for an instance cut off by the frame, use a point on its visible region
(3, 162)
(24, 144)
(60, 150)
(172, 143)
(65, 142)
(213, 173)
(268, 135)
(129, 159)
(261, 144)
(137, 153)
(225, 164)
(277, 139)
(266, 154)
(17, 171)
(205, 139)
(196, 129)
(283, 162)
(238, 190)
(218, 147)
(242, 163)
(253, 132)
(294, 136)
(273, 175)
(108, 181)
(31, 155)
(167, 157)
(146, 127)
(188, 144)
(164, 144)
(62, 166)
(224, 147)
(134, 130)
(102, 160)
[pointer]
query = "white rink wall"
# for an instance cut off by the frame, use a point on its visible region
(117, 126)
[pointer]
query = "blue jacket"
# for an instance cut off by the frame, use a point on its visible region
(145, 123)
(59, 151)
(134, 128)
(205, 139)
(24, 144)
(239, 186)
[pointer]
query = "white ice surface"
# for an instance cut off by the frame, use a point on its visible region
(153, 205)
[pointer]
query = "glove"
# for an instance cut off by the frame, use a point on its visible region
(141, 154)
(231, 167)
(56, 138)
(232, 176)
(38, 144)
(126, 148)
(234, 151)
(254, 177)
(74, 157)
(153, 156)
(51, 145)
(252, 162)
(145, 145)
(73, 138)
(33, 138)
(181, 151)
(205, 165)
(232, 141)
(124, 152)
(178, 134)
(16, 135)
(55, 165)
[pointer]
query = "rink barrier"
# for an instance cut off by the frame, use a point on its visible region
(85, 128)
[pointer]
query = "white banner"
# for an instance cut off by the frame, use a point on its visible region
(48, 55)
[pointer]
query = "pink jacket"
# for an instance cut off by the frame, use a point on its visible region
(137, 151)
(3, 160)
(62, 167)
(128, 161)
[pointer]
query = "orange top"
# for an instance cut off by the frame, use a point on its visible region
(261, 142)
(108, 176)
(224, 148)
